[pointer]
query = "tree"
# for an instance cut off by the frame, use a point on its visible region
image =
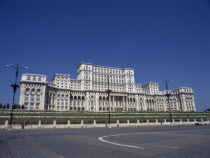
(22, 107)
(7, 107)
(1, 105)
(14, 106)
(4, 107)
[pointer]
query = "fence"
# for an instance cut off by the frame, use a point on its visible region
(103, 125)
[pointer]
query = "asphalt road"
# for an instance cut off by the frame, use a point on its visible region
(134, 142)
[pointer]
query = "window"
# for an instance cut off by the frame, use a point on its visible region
(28, 78)
(39, 79)
(34, 79)
(27, 89)
(37, 99)
(26, 98)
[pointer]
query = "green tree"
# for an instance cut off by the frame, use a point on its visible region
(7, 107)
(23, 107)
(15, 106)
(1, 105)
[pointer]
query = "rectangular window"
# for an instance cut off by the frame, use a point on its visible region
(37, 99)
(26, 98)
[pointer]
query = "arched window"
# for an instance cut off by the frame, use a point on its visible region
(33, 90)
(27, 89)
(38, 90)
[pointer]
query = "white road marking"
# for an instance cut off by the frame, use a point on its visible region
(174, 147)
(131, 146)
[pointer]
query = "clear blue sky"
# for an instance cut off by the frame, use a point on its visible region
(160, 39)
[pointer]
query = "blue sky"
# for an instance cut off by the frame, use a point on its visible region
(160, 39)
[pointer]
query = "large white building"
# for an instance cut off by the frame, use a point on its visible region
(89, 92)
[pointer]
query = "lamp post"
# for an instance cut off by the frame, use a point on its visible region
(108, 92)
(15, 86)
(166, 82)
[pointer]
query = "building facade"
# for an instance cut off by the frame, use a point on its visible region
(89, 92)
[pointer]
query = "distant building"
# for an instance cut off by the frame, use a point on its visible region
(89, 92)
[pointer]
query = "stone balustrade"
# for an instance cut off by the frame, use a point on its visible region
(95, 124)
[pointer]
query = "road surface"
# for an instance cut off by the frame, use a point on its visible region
(133, 142)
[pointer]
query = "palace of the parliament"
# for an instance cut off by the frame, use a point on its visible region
(98, 88)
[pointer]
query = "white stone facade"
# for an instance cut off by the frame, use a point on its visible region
(89, 92)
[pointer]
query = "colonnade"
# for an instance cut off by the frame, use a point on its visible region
(99, 102)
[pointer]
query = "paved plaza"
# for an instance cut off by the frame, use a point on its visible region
(134, 142)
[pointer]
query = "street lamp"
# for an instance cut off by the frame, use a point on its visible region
(15, 86)
(108, 92)
(166, 82)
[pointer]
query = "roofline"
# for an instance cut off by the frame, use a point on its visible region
(104, 66)
(62, 74)
(34, 74)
